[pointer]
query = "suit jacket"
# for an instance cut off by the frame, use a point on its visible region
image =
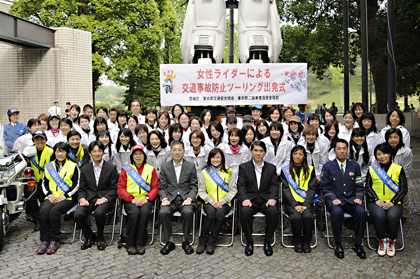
(346, 188)
(247, 182)
(107, 186)
(169, 187)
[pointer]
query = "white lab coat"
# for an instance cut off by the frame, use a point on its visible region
(282, 157)
(319, 156)
(164, 155)
(200, 160)
(234, 160)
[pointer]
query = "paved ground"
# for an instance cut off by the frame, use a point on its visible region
(18, 258)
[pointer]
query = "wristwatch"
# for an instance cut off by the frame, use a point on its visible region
(147, 198)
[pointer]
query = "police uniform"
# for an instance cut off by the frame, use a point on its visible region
(11, 133)
(346, 188)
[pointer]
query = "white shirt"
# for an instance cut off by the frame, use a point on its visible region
(344, 165)
(97, 171)
(258, 172)
(55, 110)
(177, 168)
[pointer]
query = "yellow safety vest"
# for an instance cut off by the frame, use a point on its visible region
(302, 183)
(212, 189)
(66, 173)
(382, 191)
(45, 159)
(82, 154)
(136, 190)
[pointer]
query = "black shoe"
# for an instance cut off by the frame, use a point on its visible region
(201, 245)
(43, 248)
(339, 252)
(140, 250)
(167, 248)
(36, 226)
(131, 250)
(359, 251)
(268, 250)
(249, 249)
(306, 248)
(187, 248)
(210, 248)
(101, 245)
(89, 242)
(298, 248)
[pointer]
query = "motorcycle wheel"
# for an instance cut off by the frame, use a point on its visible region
(1, 229)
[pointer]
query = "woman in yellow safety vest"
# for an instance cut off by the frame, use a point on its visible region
(138, 186)
(386, 186)
(298, 188)
(60, 183)
(79, 153)
(217, 187)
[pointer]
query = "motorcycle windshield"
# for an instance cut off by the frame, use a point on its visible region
(9, 162)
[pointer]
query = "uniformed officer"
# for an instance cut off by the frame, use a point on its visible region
(14, 129)
(342, 187)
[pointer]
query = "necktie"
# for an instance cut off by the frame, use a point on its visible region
(342, 169)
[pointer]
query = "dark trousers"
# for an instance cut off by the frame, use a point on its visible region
(166, 215)
(213, 222)
(82, 212)
(337, 215)
(301, 222)
(137, 218)
(32, 205)
(386, 220)
(49, 219)
(271, 218)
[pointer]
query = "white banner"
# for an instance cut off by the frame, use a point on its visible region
(233, 84)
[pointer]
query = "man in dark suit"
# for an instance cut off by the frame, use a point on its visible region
(342, 187)
(258, 188)
(97, 192)
(178, 190)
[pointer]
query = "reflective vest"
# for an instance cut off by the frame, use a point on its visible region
(80, 152)
(302, 183)
(66, 173)
(382, 191)
(45, 159)
(212, 189)
(136, 190)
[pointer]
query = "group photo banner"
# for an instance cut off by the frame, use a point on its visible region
(233, 84)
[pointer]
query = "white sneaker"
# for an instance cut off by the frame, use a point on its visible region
(382, 248)
(391, 248)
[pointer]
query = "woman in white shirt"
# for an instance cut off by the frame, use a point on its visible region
(175, 133)
(105, 138)
(74, 116)
(197, 152)
(121, 151)
(358, 109)
(184, 121)
(216, 135)
(151, 116)
(360, 152)
(396, 119)
(274, 115)
(295, 129)
(373, 137)
(66, 126)
(53, 129)
(163, 124)
(207, 117)
(141, 134)
(249, 135)
(177, 109)
(157, 150)
(331, 133)
(346, 129)
(197, 124)
(235, 151)
(85, 131)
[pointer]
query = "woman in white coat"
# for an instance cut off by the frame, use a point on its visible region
(121, 151)
(346, 129)
(217, 135)
(157, 150)
(235, 151)
(360, 152)
(197, 152)
(373, 137)
(396, 119)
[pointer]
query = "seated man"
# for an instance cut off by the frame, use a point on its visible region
(97, 192)
(258, 188)
(342, 187)
(178, 190)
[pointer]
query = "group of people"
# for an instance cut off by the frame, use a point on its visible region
(183, 161)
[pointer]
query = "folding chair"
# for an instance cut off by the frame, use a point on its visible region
(230, 214)
(68, 216)
(327, 214)
(257, 215)
(178, 214)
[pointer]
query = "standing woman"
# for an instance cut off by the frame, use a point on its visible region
(295, 129)
(329, 116)
(396, 119)
(184, 121)
(60, 183)
(100, 124)
(373, 138)
(314, 120)
(105, 138)
(122, 117)
(138, 186)
(235, 151)
(176, 112)
(262, 129)
(66, 126)
(217, 187)
(346, 129)
(121, 151)
(359, 151)
(141, 133)
(357, 110)
(287, 113)
(249, 135)
(163, 124)
(85, 131)
(274, 115)
(216, 134)
(386, 186)
(53, 129)
(175, 133)
(44, 119)
(298, 187)
(74, 116)
(331, 133)
(197, 124)
(151, 116)
(206, 117)
(278, 147)
(157, 150)
(197, 152)
(78, 153)
(132, 122)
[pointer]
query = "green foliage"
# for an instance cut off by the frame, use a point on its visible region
(235, 39)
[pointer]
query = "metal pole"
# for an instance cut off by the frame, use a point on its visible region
(346, 55)
(231, 30)
(364, 53)
(391, 55)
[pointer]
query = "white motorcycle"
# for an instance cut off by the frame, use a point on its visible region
(14, 175)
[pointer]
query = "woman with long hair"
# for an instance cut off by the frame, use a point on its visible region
(373, 137)
(66, 126)
(132, 122)
(184, 121)
(175, 133)
(331, 133)
(396, 119)
(261, 129)
(359, 151)
(151, 117)
(295, 129)
(249, 135)
(74, 116)
(198, 151)
(176, 111)
(157, 150)
(386, 187)
(314, 120)
(141, 134)
(163, 124)
(287, 113)
(121, 151)
(85, 131)
(235, 151)
(217, 196)
(216, 134)
(53, 129)
(298, 188)
(329, 116)
(104, 137)
(346, 129)
(357, 110)
(274, 115)
(122, 117)
(206, 117)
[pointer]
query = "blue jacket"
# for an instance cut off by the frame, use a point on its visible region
(335, 186)
(10, 133)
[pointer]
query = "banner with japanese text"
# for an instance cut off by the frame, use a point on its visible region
(233, 84)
